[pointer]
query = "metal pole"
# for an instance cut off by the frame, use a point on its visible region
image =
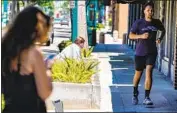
(74, 22)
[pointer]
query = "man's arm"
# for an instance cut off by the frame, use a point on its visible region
(162, 29)
(136, 36)
(133, 32)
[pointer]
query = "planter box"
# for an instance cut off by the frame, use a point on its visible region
(76, 95)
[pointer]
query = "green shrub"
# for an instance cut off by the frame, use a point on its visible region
(64, 44)
(98, 27)
(75, 71)
(110, 22)
(86, 53)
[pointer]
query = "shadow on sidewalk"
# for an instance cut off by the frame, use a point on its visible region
(114, 48)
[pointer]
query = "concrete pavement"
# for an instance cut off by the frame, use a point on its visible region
(116, 75)
(120, 58)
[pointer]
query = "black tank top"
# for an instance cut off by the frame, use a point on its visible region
(20, 93)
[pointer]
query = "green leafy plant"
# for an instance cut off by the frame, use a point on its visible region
(64, 44)
(98, 27)
(86, 53)
(75, 71)
(110, 21)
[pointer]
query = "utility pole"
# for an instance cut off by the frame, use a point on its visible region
(73, 5)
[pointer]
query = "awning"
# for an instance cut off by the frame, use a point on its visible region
(133, 1)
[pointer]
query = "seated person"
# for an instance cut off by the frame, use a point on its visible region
(71, 51)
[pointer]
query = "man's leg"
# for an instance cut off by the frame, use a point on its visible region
(148, 85)
(139, 66)
(148, 80)
(136, 80)
(151, 59)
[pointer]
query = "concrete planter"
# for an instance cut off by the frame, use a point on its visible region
(76, 95)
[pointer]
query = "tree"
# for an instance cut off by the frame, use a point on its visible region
(47, 5)
(24, 3)
(16, 7)
(65, 6)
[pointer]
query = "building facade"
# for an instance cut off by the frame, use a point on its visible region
(120, 20)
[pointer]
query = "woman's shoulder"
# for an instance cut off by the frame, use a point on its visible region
(35, 52)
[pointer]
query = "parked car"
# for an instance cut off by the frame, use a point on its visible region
(57, 20)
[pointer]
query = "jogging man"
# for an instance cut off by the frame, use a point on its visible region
(144, 31)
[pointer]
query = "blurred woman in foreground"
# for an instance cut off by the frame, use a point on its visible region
(26, 82)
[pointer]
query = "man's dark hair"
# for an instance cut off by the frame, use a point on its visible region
(148, 4)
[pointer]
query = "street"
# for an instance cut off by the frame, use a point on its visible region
(61, 33)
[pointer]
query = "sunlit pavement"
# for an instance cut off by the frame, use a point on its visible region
(122, 68)
(117, 70)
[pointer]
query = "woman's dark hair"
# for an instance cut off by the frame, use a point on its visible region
(20, 35)
(150, 3)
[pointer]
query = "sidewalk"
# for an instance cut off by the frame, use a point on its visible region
(120, 58)
(116, 75)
